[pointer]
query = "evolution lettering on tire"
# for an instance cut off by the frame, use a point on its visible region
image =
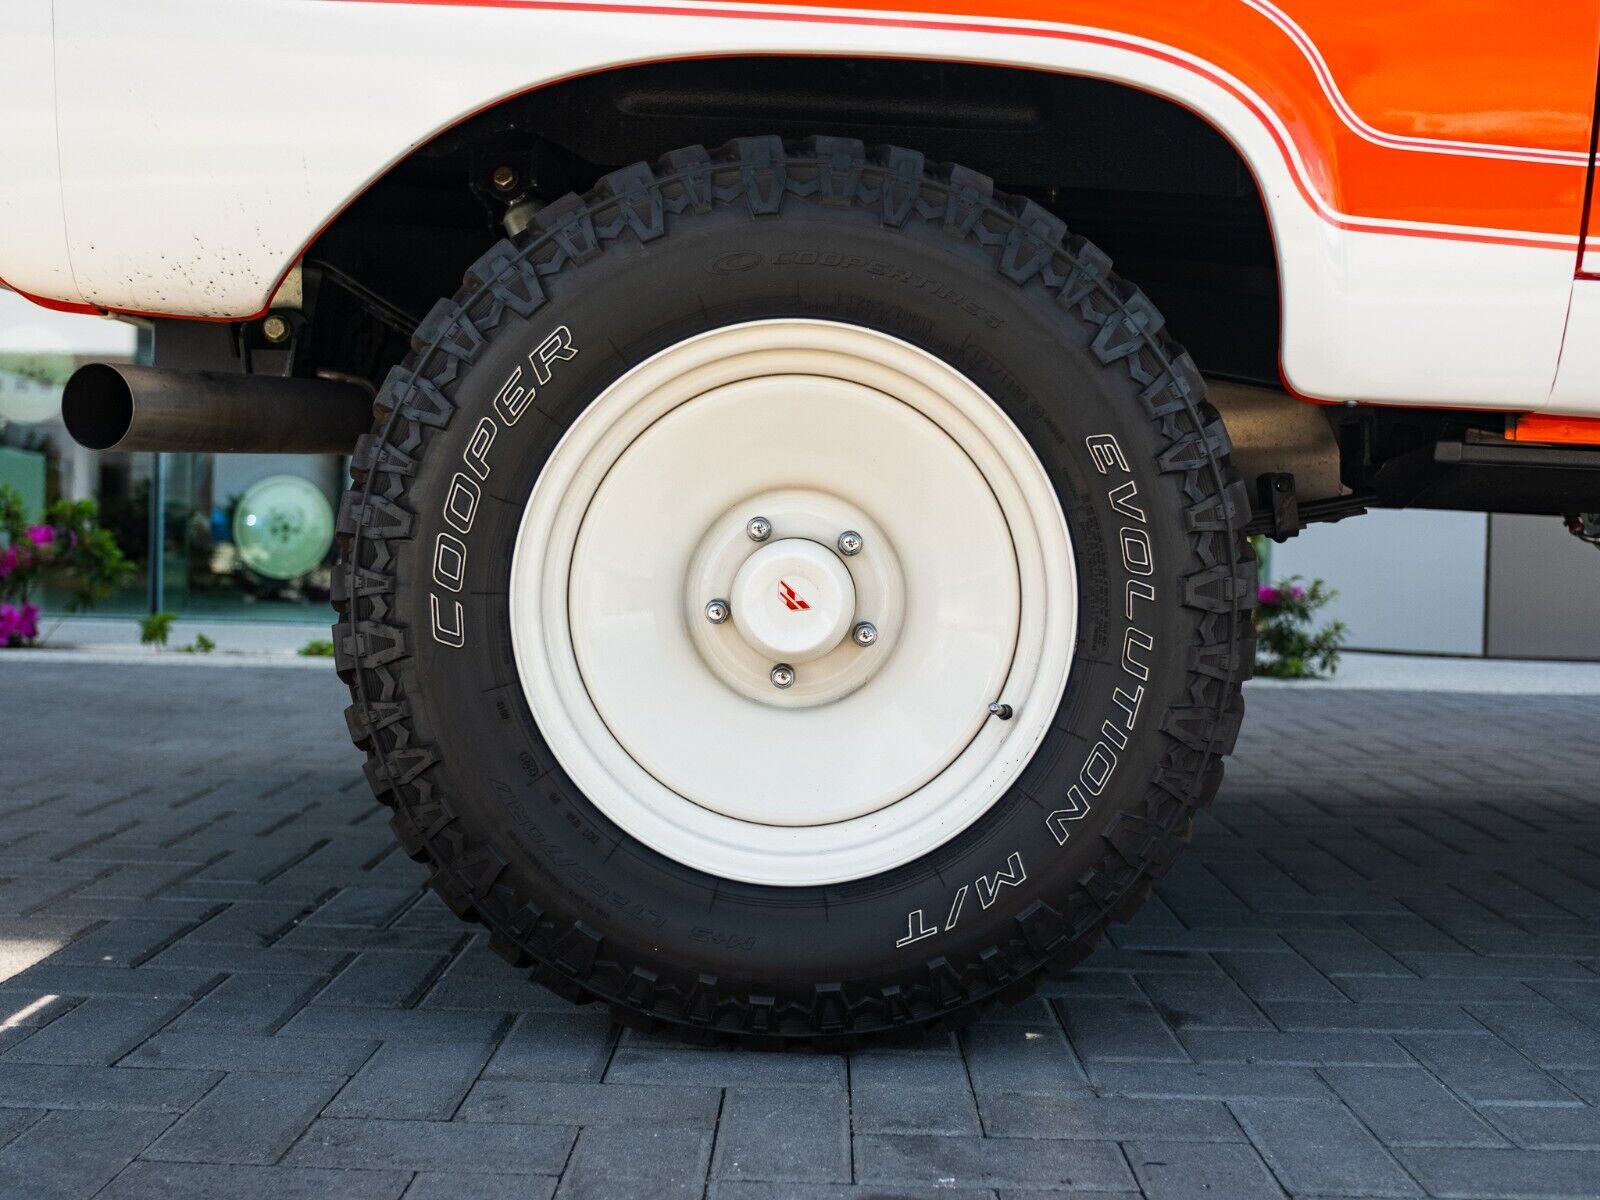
(1059, 364)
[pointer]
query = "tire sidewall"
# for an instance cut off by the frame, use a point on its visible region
(1084, 421)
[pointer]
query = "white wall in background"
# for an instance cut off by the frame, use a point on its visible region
(1410, 581)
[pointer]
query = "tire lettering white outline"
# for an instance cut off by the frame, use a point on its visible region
(989, 885)
(451, 582)
(454, 636)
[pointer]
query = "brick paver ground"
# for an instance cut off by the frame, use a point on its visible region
(1376, 974)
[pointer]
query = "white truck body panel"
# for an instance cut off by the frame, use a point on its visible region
(204, 143)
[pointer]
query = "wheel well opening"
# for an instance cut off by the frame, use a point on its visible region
(1151, 183)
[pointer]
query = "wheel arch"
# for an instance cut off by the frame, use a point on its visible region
(1084, 143)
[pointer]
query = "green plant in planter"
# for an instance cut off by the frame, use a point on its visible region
(69, 548)
(156, 628)
(1288, 644)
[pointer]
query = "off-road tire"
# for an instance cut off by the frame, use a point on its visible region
(451, 744)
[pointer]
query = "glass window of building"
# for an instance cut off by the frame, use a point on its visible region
(239, 535)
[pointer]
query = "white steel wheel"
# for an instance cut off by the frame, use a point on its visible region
(770, 587)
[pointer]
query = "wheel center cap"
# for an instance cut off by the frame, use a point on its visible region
(793, 600)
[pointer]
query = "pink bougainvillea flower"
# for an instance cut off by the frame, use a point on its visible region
(10, 621)
(28, 622)
(1297, 593)
(1267, 595)
(8, 561)
(41, 535)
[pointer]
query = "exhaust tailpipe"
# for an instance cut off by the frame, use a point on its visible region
(129, 408)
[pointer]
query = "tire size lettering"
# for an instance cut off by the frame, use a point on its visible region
(465, 492)
(987, 888)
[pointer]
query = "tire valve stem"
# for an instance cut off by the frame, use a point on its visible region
(1003, 711)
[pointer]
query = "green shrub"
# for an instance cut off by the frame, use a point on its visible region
(1288, 645)
(68, 549)
(155, 629)
(317, 648)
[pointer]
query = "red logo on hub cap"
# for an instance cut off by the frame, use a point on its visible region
(791, 598)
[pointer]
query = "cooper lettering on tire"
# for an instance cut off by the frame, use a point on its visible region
(794, 592)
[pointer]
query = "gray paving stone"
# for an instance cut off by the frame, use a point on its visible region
(1118, 1029)
(96, 1033)
(146, 1180)
(1456, 966)
(357, 939)
(239, 959)
(1201, 1002)
(1384, 1018)
(1438, 989)
(124, 942)
(468, 1146)
(798, 1135)
(421, 1080)
(542, 1102)
(146, 983)
(1504, 1174)
(634, 1063)
(250, 1052)
(956, 1162)
(367, 907)
(1548, 1035)
(1484, 1069)
(1293, 1049)
(1406, 1106)
(1342, 952)
(247, 1118)
(68, 1155)
(14, 1120)
(1107, 1119)
(1277, 976)
(1022, 1058)
(248, 924)
(383, 979)
(1585, 1084)
(1378, 881)
(1317, 1147)
(566, 1046)
(249, 1004)
(504, 991)
(611, 1160)
(731, 1189)
(1201, 1171)
(1548, 1127)
(1210, 1081)
(905, 1093)
(101, 1089)
(440, 1185)
(1407, 934)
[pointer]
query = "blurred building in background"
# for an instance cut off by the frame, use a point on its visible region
(252, 535)
(241, 535)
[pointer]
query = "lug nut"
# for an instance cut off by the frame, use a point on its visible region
(865, 633)
(717, 611)
(759, 529)
(850, 543)
(782, 676)
(275, 329)
(504, 178)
